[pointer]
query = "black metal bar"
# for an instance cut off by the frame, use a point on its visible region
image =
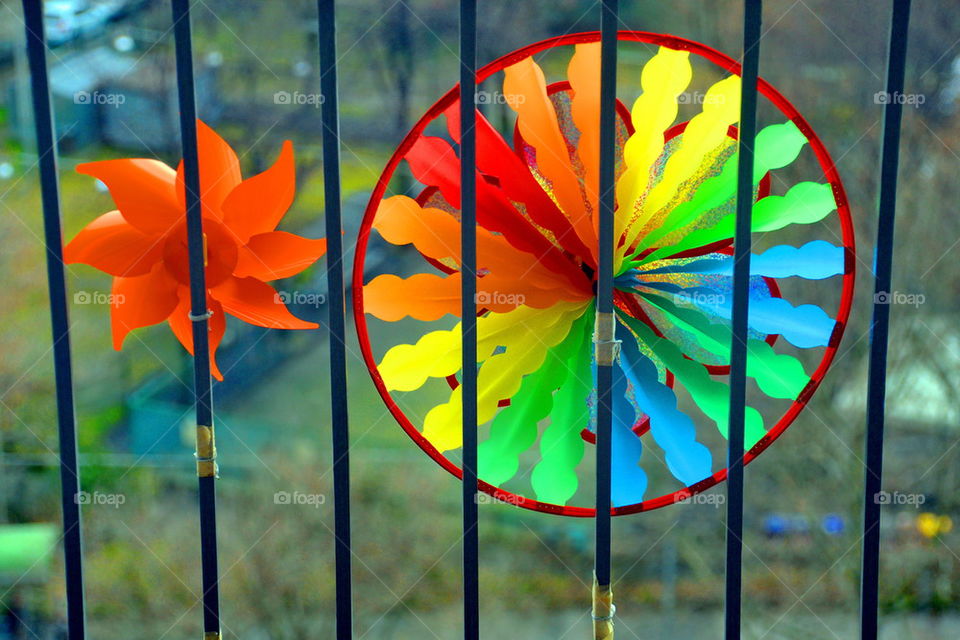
(605, 319)
(468, 293)
(59, 318)
(752, 14)
(339, 415)
(206, 466)
(877, 377)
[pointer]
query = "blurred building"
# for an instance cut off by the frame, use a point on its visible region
(123, 100)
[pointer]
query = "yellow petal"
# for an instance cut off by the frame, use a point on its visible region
(525, 348)
(406, 367)
(664, 78)
(706, 131)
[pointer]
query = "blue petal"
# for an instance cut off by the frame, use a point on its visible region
(628, 480)
(674, 431)
(815, 260)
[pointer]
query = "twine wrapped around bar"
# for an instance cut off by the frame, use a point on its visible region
(607, 348)
(603, 611)
(206, 453)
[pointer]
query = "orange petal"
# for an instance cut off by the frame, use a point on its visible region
(142, 189)
(424, 296)
(182, 327)
(219, 171)
(258, 303)
(141, 301)
(257, 204)
(113, 245)
(526, 90)
(436, 234)
(584, 75)
(277, 254)
(427, 296)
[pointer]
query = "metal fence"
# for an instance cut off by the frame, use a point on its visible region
(604, 336)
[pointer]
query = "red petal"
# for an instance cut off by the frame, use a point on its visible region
(496, 158)
(277, 254)
(141, 301)
(113, 245)
(434, 162)
(219, 171)
(258, 303)
(183, 328)
(142, 189)
(258, 204)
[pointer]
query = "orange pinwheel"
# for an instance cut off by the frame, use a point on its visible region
(143, 243)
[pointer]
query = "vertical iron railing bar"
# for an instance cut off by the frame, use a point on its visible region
(752, 14)
(199, 315)
(339, 408)
(59, 317)
(880, 323)
(605, 332)
(468, 296)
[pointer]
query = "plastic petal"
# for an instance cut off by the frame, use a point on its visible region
(777, 146)
(664, 78)
(554, 478)
(705, 131)
(815, 260)
(258, 303)
(712, 396)
(141, 301)
(499, 377)
(277, 254)
(526, 92)
(182, 327)
(583, 73)
(114, 246)
(436, 234)
(143, 191)
(497, 159)
(257, 204)
(674, 431)
(514, 429)
(628, 480)
(219, 171)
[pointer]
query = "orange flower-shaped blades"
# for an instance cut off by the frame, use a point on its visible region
(143, 243)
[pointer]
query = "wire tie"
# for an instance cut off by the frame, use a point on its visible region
(206, 315)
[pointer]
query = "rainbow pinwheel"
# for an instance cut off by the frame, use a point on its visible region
(537, 202)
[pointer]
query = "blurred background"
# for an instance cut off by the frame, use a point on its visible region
(113, 84)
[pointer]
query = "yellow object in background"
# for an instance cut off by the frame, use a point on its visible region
(930, 525)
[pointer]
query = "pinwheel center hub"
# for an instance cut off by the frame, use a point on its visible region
(219, 249)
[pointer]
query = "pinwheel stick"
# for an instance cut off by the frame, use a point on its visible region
(603, 611)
